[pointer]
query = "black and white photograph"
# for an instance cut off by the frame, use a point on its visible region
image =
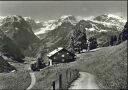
(63, 45)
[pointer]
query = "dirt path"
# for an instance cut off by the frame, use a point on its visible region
(33, 81)
(85, 81)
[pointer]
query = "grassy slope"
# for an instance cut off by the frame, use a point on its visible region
(108, 64)
(18, 80)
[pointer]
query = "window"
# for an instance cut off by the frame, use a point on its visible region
(16, 28)
(63, 60)
(54, 58)
(63, 55)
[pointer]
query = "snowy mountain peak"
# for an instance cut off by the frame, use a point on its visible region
(52, 24)
(2, 17)
(110, 18)
(114, 16)
(27, 18)
(66, 16)
(12, 19)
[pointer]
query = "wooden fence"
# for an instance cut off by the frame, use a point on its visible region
(64, 79)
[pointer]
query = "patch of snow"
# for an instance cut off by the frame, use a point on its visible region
(103, 31)
(37, 21)
(2, 17)
(104, 23)
(5, 57)
(41, 31)
(91, 29)
(50, 25)
(26, 18)
(13, 71)
(64, 17)
(113, 16)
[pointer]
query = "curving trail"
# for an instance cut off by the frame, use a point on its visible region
(85, 81)
(33, 81)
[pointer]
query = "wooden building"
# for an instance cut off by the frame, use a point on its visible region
(60, 55)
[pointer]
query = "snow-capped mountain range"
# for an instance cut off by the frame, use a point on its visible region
(107, 20)
(52, 24)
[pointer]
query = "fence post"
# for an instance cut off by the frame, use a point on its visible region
(60, 81)
(53, 84)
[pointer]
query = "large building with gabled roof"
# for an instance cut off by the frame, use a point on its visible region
(60, 55)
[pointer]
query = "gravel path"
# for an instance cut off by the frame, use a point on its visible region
(85, 81)
(33, 80)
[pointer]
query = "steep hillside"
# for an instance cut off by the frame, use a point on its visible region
(9, 48)
(108, 64)
(5, 66)
(18, 30)
(34, 25)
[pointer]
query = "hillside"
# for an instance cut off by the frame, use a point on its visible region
(108, 64)
(20, 32)
(34, 24)
(9, 48)
(5, 66)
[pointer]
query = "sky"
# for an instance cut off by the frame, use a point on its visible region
(46, 10)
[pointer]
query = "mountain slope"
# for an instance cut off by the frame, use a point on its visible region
(53, 24)
(18, 30)
(5, 66)
(58, 37)
(9, 48)
(34, 25)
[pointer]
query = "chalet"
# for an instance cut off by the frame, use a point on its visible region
(60, 55)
